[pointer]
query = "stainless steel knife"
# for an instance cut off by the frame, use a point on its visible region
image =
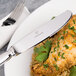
(43, 32)
(36, 36)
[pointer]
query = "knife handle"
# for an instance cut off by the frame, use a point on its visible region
(8, 21)
(6, 56)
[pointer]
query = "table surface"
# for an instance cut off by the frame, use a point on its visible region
(6, 6)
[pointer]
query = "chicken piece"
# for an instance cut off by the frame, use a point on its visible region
(63, 52)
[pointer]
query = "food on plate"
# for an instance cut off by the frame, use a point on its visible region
(73, 71)
(56, 56)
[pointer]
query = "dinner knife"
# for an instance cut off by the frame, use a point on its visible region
(36, 36)
(43, 32)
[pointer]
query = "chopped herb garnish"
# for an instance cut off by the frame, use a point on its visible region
(71, 28)
(43, 51)
(45, 66)
(59, 38)
(42, 57)
(74, 41)
(63, 55)
(55, 49)
(66, 46)
(66, 31)
(52, 17)
(40, 50)
(57, 68)
(36, 50)
(72, 35)
(51, 51)
(48, 45)
(55, 59)
(73, 71)
(54, 43)
(63, 32)
(58, 44)
(74, 21)
(74, 31)
(62, 37)
(59, 54)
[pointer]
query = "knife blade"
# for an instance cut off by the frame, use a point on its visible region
(41, 33)
(35, 37)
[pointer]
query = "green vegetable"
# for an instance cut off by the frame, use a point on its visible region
(72, 35)
(48, 45)
(42, 57)
(73, 71)
(36, 50)
(45, 66)
(59, 38)
(74, 31)
(51, 51)
(55, 49)
(57, 68)
(62, 37)
(64, 32)
(71, 28)
(52, 17)
(74, 41)
(43, 51)
(58, 44)
(55, 59)
(74, 21)
(66, 46)
(59, 54)
(40, 50)
(63, 55)
(45, 48)
(54, 43)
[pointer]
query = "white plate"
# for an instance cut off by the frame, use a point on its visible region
(6, 32)
(20, 65)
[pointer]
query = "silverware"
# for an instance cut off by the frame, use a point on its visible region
(41, 33)
(14, 15)
(35, 37)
